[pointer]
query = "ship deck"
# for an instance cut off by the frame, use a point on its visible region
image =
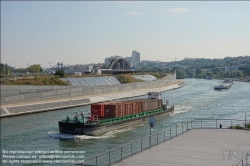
(196, 147)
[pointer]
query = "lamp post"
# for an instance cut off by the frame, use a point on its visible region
(27, 71)
(245, 119)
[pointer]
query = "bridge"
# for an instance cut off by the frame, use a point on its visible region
(119, 63)
(6, 69)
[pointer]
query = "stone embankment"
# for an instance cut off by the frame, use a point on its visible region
(79, 96)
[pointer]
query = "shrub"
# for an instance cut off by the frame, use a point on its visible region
(248, 126)
(238, 127)
(60, 73)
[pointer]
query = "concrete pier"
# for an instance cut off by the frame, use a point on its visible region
(196, 147)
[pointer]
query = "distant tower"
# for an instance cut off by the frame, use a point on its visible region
(135, 58)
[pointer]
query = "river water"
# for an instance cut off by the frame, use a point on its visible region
(197, 99)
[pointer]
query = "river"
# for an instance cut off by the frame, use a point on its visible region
(197, 99)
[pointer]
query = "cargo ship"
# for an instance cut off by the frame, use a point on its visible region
(108, 116)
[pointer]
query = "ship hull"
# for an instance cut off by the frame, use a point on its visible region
(100, 129)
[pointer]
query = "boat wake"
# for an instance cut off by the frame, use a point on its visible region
(84, 137)
(60, 135)
(180, 109)
(109, 134)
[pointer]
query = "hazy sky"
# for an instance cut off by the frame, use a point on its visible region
(82, 32)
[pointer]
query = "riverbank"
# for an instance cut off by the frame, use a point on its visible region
(16, 109)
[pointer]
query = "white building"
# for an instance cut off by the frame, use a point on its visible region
(72, 70)
(229, 68)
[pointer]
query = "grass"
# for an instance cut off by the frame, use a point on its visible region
(127, 78)
(43, 80)
(55, 80)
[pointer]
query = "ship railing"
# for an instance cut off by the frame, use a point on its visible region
(129, 149)
(96, 118)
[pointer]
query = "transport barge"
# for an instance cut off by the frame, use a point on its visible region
(226, 84)
(108, 116)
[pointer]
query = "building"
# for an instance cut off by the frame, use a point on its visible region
(229, 68)
(129, 59)
(135, 59)
(108, 60)
(83, 69)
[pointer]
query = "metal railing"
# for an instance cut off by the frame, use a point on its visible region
(241, 162)
(219, 123)
(119, 153)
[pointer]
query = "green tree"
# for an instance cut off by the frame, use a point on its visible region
(21, 70)
(34, 68)
(216, 70)
(180, 74)
(60, 73)
(156, 74)
(239, 73)
(198, 71)
(190, 74)
(245, 70)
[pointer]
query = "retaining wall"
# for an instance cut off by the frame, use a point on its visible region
(20, 109)
(59, 92)
(14, 90)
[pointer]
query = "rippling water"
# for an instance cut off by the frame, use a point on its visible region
(196, 99)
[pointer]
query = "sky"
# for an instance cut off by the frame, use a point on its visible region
(82, 32)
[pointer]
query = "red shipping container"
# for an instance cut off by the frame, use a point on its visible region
(132, 107)
(118, 107)
(127, 108)
(140, 107)
(97, 109)
(135, 105)
(109, 110)
(122, 109)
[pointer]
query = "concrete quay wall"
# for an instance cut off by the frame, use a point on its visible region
(14, 90)
(68, 92)
(35, 107)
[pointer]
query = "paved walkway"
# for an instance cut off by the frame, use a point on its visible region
(206, 147)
